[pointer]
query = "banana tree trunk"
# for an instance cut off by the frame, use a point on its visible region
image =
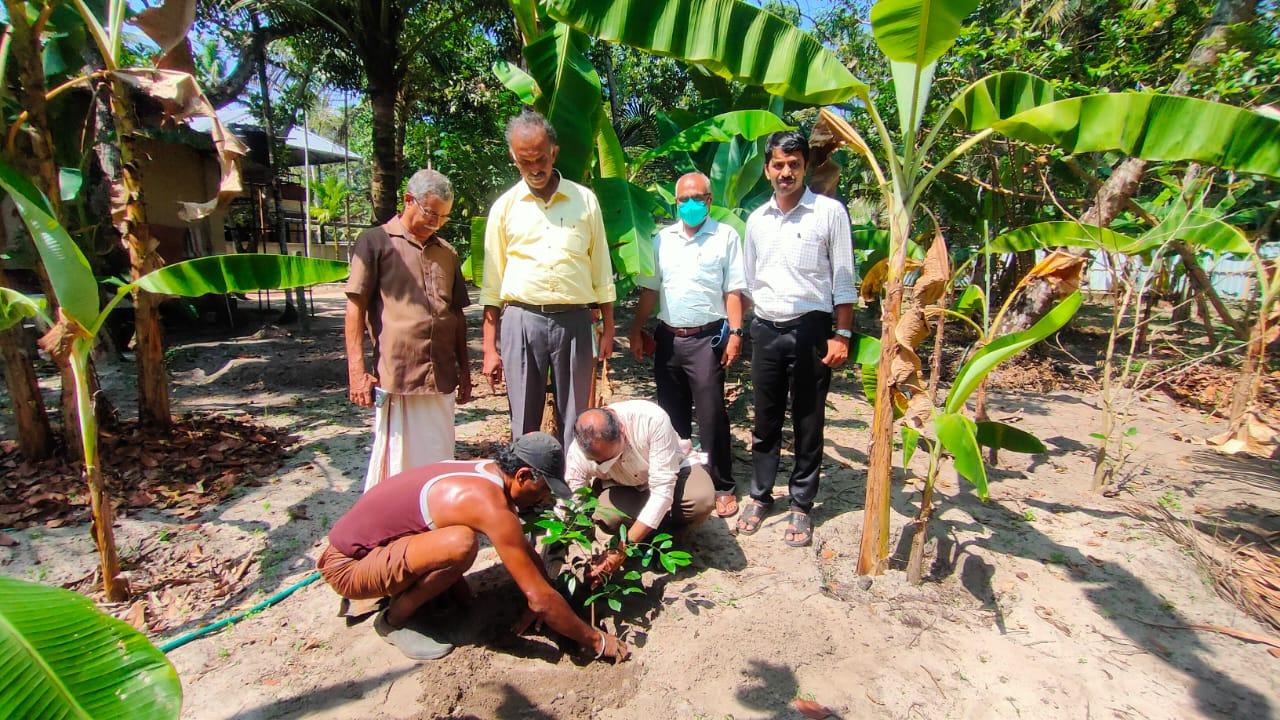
(114, 586)
(1200, 281)
(35, 437)
(130, 218)
(874, 547)
(920, 526)
(1245, 390)
(25, 52)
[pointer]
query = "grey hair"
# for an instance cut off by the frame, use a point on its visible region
(530, 120)
(430, 182)
(596, 425)
(705, 180)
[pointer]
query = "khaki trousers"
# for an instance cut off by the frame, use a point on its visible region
(695, 498)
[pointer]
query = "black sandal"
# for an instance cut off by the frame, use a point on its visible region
(800, 528)
(753, 513)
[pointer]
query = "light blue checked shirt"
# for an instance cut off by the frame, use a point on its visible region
(692, 275)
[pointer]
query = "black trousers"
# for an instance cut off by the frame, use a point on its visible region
(691, 383)
(786, 362)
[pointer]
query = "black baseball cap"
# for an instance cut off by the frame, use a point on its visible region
(546, 456)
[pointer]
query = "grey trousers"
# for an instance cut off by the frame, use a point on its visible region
(532, 343)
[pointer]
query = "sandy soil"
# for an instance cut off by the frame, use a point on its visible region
(1049, 601)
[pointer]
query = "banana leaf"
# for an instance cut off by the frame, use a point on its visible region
(1006, 437)
(570, 96)
(16, 307)
(730, 218)
(517, 81)
(748, 124)
(63, 658)
(476, 257)
(957, 434)
(913, 34)
(730, 38)
(989, 356)
(1166, 128)
(910, 439)
(74, 286)
(628, 222)
(221, 274)
(1062, 233)
(997, 97)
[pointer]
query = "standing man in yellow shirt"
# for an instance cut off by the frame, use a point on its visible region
(546, 267)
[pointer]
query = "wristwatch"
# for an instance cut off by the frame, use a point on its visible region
(846, 334)
(737, 332)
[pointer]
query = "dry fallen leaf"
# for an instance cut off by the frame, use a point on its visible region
(811, 709)
(7, 540)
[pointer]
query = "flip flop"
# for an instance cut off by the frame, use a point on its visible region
(752, 515)
(800, 528)
(726, 504)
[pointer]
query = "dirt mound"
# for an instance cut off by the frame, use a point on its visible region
(193, 464)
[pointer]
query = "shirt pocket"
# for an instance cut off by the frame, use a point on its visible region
(811, 250)
(573, 236)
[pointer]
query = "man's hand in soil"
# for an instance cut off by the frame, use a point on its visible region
(362, 386)
(612, 648)
(606, 563)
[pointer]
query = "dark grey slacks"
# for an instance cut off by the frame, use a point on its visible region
(531, 344)
(690, 382)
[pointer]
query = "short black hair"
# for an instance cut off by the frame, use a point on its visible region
(790, 142)
(510, 463)
(588, 432)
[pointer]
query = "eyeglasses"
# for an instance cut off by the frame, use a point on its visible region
(434, 218)
(686, 198)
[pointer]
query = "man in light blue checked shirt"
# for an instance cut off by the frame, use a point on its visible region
(697, 286)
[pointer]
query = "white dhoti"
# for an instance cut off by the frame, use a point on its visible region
(410, 431)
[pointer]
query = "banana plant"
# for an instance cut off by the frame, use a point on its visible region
(80, 316)
(65, 658)
(561, 83)
(913, 35)
(956, 433)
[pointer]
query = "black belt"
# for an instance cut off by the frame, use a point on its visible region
(691, 331)
(796, 322)
(549, 309)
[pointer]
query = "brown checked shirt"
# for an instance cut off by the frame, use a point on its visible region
(414, 295)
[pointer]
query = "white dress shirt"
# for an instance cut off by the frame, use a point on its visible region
(692, 275)
(651, 457)
(800, 261)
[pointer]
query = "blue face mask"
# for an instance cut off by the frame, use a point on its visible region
(693, 212)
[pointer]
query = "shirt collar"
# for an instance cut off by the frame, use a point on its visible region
(396, 228)
(708, 227)
(560, 194)
(806, 202)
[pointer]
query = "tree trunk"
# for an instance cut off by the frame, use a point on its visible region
(268, 127)
(130, 219)
(874, 547)
(25, 52)
(385, 180)
(35, 436)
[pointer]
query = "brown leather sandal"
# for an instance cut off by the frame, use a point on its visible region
(751, 517)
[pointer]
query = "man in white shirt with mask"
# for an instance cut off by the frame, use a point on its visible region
(631, 453)
(697, 287)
